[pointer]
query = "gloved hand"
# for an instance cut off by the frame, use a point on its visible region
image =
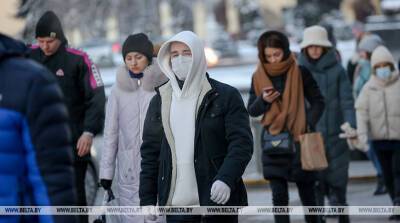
(348, 131)
(356, 143)
(351, 143)
(152, 213)
(353, 140)
(220, 192)
(106, 184)
(361, 143)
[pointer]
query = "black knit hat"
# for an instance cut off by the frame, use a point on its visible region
(50, 26)
(138, 43)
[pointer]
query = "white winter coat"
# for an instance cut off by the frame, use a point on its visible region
(125, 114)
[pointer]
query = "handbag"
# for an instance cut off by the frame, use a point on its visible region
(312, 152)
(277, 144)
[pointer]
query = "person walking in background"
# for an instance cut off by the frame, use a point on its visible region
(36, 160)
(81, 85)
(378, 117)
(197, 140)
(125, 114)
(319, 56)
(358, 30)
(278, 92)
(362, 74)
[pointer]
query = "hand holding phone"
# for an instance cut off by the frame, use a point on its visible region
(270, 94)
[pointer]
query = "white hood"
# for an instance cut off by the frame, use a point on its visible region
(197, 73)
(182, 117)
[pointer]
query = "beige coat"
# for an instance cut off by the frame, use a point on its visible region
(378, 110)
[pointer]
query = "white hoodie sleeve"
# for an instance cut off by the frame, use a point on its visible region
(110, 148)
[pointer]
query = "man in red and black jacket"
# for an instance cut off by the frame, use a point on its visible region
(81, 84)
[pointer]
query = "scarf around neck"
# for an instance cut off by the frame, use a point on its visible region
(287, 112)
(135, 76)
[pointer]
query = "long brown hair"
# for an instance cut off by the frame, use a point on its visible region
(273, 39)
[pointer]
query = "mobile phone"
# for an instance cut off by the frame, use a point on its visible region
(269, 90)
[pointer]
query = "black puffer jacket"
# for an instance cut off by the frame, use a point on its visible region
(35, 141)
(289, 166)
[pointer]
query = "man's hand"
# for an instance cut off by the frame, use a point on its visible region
(84, 144)
(220, 192)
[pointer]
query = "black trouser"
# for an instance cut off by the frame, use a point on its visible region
(324, 188)
(80, 173)
(202, 219)
(280, 197)
(388, 152)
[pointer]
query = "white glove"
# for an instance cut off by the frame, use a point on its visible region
(356, 143)
(151, 213)
(348, 131)
(220, 192)
(351, 137)
(350, 143)
(362, 143)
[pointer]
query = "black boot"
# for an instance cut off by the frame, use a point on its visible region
(344, 219)
(395, 216)
(380, 187)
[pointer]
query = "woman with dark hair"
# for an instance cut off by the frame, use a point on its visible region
(126, 111)
(279, 90)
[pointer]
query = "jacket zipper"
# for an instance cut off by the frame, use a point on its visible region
(386, 115)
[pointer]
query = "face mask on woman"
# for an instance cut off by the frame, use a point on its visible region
(383, 72)
(363, 62)
(181, 66)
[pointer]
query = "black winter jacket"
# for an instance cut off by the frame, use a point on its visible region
(36, 157)
(223, 148)
(82, 86)
(289, 166)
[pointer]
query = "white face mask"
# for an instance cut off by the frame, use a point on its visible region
(181, 66)
(383, 73)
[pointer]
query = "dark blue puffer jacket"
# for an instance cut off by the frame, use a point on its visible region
(35, 150)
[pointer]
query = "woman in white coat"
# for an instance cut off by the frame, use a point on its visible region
(125, 114)
(378, 118)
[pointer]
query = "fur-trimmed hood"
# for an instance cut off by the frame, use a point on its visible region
(152, 77)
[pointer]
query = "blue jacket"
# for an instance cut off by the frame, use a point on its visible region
(36, 166)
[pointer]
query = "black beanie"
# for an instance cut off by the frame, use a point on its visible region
(138, 43)
(50, 26)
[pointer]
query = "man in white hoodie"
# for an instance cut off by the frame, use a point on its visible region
(197, 140)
